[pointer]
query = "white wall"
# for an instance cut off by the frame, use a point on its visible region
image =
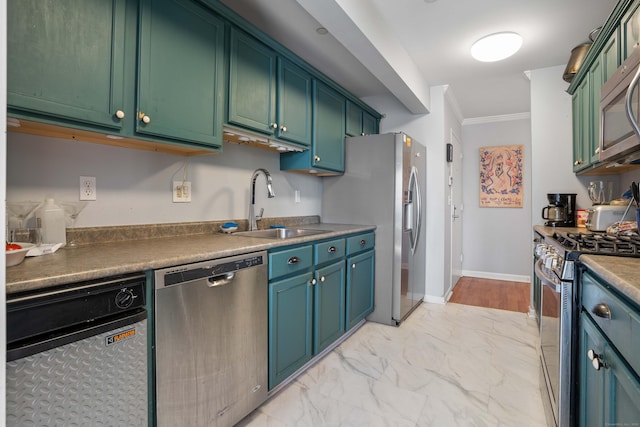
(134, 187)
(432, 130)
(496, 242)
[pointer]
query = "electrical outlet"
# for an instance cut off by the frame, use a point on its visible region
(88, 188)
(181, 191)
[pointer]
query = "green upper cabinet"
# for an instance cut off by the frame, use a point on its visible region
(610, 57)
(252, 84)
(294, 103)
(592, 149)
(581, 126)
(630, 30)
(326, 155)
(181, 72)
(358, 121)
(47, 75)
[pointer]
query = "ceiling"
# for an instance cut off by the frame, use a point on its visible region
(435, 37)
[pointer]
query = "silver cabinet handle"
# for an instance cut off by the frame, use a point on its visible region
(595, 360)
(602, 310)
(120, 114)
(332, 249)
(221, 280)
(293, 260)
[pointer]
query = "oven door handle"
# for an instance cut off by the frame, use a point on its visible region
(546, 280)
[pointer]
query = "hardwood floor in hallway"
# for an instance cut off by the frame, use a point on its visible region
(500, 294)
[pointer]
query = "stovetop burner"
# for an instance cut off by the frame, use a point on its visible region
(600, 244)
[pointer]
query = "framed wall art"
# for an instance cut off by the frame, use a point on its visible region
(501, 176)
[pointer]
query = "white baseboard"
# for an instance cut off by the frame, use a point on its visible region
(435, 300)
(497, 276)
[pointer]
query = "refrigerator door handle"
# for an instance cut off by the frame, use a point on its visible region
(418, 223)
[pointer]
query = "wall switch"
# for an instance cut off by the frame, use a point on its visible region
(181, 191)
(296, 196)
(88, 188)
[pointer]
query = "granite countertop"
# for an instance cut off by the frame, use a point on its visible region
(88, 262)
(623, 273)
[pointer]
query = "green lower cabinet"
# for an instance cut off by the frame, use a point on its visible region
(290, 326)
(609, 388)
(329, 303)
(360, 287)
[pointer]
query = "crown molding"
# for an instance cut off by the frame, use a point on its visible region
(493, 119)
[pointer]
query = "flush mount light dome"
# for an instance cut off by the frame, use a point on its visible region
(496, 47)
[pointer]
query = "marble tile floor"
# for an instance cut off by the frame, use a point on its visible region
(447, 365)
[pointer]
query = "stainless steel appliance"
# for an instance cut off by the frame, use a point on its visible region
(600, 217)
(211, 341)
(556, 262)
(78, 355)
(619, 112)
(384, 184)
(561, 211)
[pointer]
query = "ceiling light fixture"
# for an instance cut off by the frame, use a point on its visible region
(496, 47)
(322, 31)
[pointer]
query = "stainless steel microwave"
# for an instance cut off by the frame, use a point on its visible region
(619, 111)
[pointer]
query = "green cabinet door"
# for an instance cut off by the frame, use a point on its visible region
(328, 141)
(181, 69)
(591, 380)
(290, 326)
(581, 101)
(622, 391)
(294, 103)
(369, 124)
(329, 301)
(252, 84)
(360, 287)
(65, 59)
(595, 83)
(354, 119)
(610, 56)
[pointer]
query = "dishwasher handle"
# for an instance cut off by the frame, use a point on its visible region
(221, 280)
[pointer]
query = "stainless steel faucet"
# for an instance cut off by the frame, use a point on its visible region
(253, 218)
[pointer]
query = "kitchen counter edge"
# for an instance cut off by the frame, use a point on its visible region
(68, 266)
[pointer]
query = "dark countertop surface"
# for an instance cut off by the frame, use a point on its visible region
(623, 273)
(70, 265)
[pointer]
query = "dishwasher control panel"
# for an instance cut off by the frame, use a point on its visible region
(206, 269)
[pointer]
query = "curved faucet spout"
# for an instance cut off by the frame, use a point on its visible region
(253, 218)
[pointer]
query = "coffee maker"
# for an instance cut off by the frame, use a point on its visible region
(561, 211)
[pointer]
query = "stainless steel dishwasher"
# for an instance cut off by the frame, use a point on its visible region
(211, 341)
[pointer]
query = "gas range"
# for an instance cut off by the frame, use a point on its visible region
(560, 251)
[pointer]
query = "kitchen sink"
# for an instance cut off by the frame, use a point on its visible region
(279, 233)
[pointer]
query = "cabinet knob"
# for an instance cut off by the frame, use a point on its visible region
(363, 242)
(332, 249)
(602, 310)
(596, 362)
(120, 114)
(316, 158)
(597, 150)
(293, 260)
(312, 282)
(577, 162)
(274, 125)
(353, 266)
(145, 119)
(283, 128)
(322, 279)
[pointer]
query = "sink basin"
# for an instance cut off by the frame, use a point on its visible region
(279, 233)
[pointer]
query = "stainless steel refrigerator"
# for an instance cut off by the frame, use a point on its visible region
(384, 184)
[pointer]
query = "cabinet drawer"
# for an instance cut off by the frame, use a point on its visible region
(613, 316)
(360, 243)
(329, 251)
(289, 261)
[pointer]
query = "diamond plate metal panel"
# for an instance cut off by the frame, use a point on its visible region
(98, 381)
